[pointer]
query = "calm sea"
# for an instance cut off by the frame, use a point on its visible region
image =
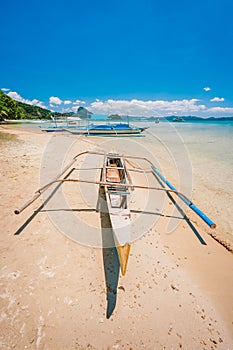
(209, 146)
(202, 154)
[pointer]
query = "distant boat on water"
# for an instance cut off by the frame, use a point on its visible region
(109, 129)
(178, 119)
(115, 129)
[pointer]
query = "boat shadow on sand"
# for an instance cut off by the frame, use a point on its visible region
(110, 255)
(183, 215)
(109, 251)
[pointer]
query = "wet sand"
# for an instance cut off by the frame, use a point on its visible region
(56, 293)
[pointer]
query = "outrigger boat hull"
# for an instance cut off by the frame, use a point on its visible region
(117, 184)
(114, 172)
(121, 226)
(109, 129)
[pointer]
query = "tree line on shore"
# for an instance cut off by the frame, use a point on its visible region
(14, 110)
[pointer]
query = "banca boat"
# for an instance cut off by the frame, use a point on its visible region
(117, 191)
(98, 129)
(117, 184)
(109, 129)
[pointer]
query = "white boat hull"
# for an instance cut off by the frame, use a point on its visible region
(117, 197)
(121, 226)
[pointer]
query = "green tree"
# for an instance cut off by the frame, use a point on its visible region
(8, 107)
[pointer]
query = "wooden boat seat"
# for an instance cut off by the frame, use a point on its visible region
(113, 175)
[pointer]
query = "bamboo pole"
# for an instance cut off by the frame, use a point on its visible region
(46, 186)
(102, 183)
(171, 188)
(187, 201)
(42, 189)
(106, 183)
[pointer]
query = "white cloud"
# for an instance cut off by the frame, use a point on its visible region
(5, 89)
(217, 99)
(79, 102)
(220, 110)
(134, 107)
(38, 103)
(55, 100)
(15, 96)
(147, 108)
(207, 88)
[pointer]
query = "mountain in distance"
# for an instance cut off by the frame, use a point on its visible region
(186, 118)
(195, 118)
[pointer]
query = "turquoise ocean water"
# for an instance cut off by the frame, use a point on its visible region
(209, 149)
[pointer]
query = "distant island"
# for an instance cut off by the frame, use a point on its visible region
(188, 118)
(194, 118)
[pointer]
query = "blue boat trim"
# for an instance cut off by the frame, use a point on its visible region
(116, 129)
(203, 216)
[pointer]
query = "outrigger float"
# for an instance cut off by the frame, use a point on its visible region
(117, 184)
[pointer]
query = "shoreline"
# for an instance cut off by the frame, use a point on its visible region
(170, 277)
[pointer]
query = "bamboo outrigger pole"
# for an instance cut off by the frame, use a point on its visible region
(171, 188)
(187, 201)
(102, 183)
(42, 189)
(203, 216)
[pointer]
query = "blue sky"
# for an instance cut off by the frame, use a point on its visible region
(142, 57)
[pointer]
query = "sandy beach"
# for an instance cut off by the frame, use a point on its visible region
(57, 293)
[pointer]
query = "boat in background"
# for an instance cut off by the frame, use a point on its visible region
(60, 124)
(97, 129)
(108, 129)
(178, 119)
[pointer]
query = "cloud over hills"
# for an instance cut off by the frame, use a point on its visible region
(134, 107)
(147, 108)
(55, 100)
(15, 96)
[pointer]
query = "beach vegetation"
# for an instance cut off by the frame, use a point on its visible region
(8, 107)
(12, 110)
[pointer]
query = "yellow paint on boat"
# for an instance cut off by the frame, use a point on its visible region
(123, 253)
